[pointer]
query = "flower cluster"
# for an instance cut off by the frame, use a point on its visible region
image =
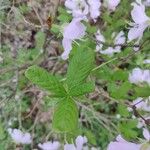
(119, 39)
(139, 76)
(19, 137)
(25, 138)
(80, 10)
(122, 144)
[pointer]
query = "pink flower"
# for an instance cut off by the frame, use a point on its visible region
(78, 8)
(146, 134)
(112, 4)
(79, 142)
(19, 137)
(94, 8)
(49, 145)
(122, 144)
(118, 40)
(139, 76)
(141, 21)
(74, 30)
(84, 8)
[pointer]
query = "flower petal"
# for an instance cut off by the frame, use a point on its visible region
(67, 45)
(75, 30)
(136, 32)
(146, 134)
(69, 147)
(138, 13)
(123, 146)
(80, 141)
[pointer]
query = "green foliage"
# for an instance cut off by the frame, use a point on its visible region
(79, 68)
(82, 89)
(122, 110)
(39, 40)
(128, 129)
(119, 91)
(45, 80)
(142, 91)
(66, 116)
(66, 113)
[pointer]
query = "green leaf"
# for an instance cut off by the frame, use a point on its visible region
(119, 91)
(80, 67)
(55, 28)
(129, 129)
(45, 80)
(120, 75)
(91, 136)
(82, 89)
(64, 18)
(122, 110)
(65, 116)
(40, 40)
(142, 91)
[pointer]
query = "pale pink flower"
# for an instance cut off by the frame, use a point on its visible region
(19, 137)
(118, 41)
(121, 144)
(141, 122)
(49, 145)
(79, 143)
(146, 134)
(100, 39)
(147, 3)
(142, 104)
(139, 76)
(94, 9)
(78, 8)
(111, 4)
(84, 8)
(74, 30)
(69, 147)
(141, 21)
(146, 61)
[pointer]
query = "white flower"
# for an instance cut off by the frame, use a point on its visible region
(110, 51)
(79, 142)
(78, 8)
(49, 145)
(141, 21)
(84, 8)
(138, 76)
(111, 4)
(146, 134)
(19, 137)
(146, 61)
(146, 144)
(121, 144)
(119, 39)
(100, 39)
(74, 30)
(94, 8)
(141, 122)
(147, 3)
(142, 104)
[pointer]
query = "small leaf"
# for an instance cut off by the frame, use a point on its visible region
(122, 110)
(80, 67)
(142, 91)
(40, 40)
(65, 116)
(45, 80)
(119, 91)
(82, 89)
